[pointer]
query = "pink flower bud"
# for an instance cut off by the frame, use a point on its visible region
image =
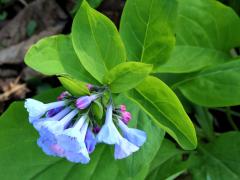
(89, 86)
(123, 108)
(63, 95)
(126, 117)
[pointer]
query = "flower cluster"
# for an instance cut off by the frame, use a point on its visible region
(68, 129)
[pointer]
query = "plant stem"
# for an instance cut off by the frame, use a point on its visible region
(231, 112)
(230, 119)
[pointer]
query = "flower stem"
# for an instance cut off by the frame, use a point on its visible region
(230, 119)
(231, 112)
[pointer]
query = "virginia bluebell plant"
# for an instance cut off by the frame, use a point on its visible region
(67, 127)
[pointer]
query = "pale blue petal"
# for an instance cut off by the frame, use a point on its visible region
(44, 145)
(71, 140)
(50, 148)
(108, 134)
(50, 130)
(33, 119)
(90, 141)
(133, 135)
(124, 149)
(35, 108)
(81, 156)
(37, 124)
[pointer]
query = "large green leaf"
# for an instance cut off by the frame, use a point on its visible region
(160, 102)
(126, 76)
(185, 59)
(147, 30)
(96, 41)
(168, 163)
(21, 158)
(55, 56)
(214, 87)
(169, 170)
(167, 151)
(206, 31)
(219, 159)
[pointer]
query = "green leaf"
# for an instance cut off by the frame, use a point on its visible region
(126, 76)
(167, 151)
(21, 157)
(96, 41)
(55, 56)
(97, 110)
(219, 159)
(186, 59)
(206, 30)
(214, 87)
(211, 33)
(169, 170)
(160, 102)
(75, 87)
(168, 163)
(147, 29)
(205, 119)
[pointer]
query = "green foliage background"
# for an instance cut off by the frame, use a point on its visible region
(165, 50)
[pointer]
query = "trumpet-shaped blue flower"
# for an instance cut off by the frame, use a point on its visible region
(90, 141)
(36, 109)
(124, 148)
(37, 124)
(108, 133)
(135, 136)
(50, 129)
(72, 141)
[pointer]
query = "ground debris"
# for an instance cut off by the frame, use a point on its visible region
(12, 88)
(44, 13)
(15, 54)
